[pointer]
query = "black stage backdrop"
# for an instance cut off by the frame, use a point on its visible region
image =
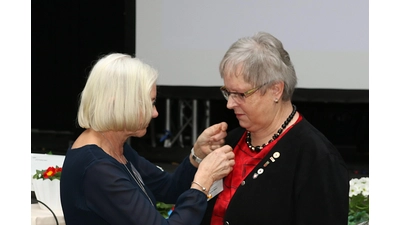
(67, 37)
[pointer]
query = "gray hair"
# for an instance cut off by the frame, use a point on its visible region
(260, 59)
(117, 94)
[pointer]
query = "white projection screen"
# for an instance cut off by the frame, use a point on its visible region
(185, 40)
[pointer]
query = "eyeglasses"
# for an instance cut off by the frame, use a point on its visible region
(239, 97)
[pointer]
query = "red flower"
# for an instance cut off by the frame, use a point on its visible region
(51, 173)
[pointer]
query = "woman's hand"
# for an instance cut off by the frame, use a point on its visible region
(218, 164)
(210, 139)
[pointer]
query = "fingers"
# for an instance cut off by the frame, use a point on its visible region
(217, 138)
(223, 126)
(217, 129)
(220, 162)
(210, 139)
(224, 149)
(215, 144)
(213, 147)
(213, 134)
(227, 148)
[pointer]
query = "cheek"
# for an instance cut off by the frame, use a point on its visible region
(254, 110)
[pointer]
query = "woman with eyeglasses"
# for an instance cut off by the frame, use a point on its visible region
(105, 181)
(286, 171)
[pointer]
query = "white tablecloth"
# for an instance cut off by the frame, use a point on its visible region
(45, 217)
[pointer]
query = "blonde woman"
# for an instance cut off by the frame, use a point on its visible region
(105, 181)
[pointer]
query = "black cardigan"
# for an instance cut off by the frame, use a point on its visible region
(308, 184)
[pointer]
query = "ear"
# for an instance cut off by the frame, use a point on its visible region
(277, 90)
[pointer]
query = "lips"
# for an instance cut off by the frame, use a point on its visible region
(239, 115)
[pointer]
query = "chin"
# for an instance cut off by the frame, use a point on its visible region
(140, 133)
(243, 124)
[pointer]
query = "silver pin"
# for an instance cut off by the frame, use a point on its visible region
(255, 175)
(276, 155)
(260, 171)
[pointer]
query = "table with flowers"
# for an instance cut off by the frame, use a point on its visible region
(46, 209)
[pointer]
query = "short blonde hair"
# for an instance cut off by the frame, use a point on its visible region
(117, 94)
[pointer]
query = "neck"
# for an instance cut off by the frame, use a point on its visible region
(264, 135)
(113, 148)
(271, 137)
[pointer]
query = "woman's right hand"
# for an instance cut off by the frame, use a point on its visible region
(216, 165)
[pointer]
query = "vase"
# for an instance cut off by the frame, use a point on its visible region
(48, 192)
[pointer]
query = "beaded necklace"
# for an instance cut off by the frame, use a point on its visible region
(275, 136)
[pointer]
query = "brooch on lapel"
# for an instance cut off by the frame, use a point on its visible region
(272, 159)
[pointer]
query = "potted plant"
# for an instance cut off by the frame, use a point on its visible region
(359, 201)
(46, 184)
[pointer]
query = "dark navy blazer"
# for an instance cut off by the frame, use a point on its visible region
(97, 189)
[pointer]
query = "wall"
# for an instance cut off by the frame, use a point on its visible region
(328, 41)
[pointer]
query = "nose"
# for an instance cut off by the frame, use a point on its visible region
(155, 113)
(230, 102)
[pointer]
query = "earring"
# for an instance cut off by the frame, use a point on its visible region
(276, 100)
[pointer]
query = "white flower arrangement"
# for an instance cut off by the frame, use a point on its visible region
(359, 201)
